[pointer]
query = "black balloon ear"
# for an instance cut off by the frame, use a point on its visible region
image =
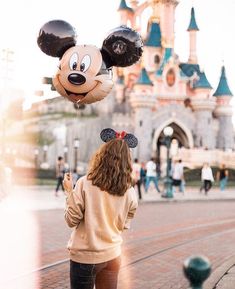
(55, 37)
(131, 140)
(107, 134)
(123, 47)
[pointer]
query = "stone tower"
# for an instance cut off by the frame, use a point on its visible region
(153, 47)
(203, 105)
(167, 19)
(142, 102)
(199, 90)
(126, 14)
(223, 111)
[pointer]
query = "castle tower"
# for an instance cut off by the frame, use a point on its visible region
(192, 29)
(153, 47)
(126, 14)
(142, 102)
(167, 20)
(223, 111)
(134, 4)
(120, 87)
(203, 104)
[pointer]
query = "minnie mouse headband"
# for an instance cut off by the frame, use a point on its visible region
(108, 134)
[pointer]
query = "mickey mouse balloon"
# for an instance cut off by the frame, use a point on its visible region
(84, 70)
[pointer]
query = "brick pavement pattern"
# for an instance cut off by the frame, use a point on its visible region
(162, 236)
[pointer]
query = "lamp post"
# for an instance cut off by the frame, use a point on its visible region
(76, 146)
(45, 149)
(36, 153)
(168, 132)
(66, 154)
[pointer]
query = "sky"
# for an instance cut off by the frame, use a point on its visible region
(21, 20)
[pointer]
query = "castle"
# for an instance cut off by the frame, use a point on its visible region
(167, 92)
(158, 91)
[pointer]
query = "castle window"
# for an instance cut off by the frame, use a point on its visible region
(141, 122)
(170, 77)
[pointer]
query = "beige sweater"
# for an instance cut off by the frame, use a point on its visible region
(98, 219)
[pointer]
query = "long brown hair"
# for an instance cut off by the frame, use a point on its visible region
(110, 168)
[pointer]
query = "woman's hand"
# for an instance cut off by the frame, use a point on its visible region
(68, 182)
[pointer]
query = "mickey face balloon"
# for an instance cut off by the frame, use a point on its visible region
(84, 74)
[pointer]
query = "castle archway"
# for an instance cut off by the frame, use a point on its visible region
(182, 136)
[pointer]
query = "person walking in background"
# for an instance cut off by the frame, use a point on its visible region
(99, 209)
(222, 177)
(143, 174)
(60, 170)
(178, 175)
(136, 170)
(151, 175)
(207, 178)
(75, 176)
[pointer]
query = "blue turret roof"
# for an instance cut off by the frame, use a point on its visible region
(144, 78)
(154, 36)
(167, 56)
(120, 80)
(223, 88)
(193, 23)
(123, 6)
(202, 82)
(189, 69)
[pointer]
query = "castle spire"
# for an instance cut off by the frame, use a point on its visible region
(224, 113)
(123, 6)
(143, 78)
(193, 24)
(192, 29)
(126, 13)
(223, 88)
(202, 81)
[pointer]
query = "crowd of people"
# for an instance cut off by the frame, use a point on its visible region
(146, 173)
(143, 174)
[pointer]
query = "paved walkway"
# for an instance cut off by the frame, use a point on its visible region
(228, 280)
(43, 198)
(158, 232)
(191, 194)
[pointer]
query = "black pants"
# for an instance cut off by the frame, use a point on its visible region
(206, 186)
(103, 275)
(59, 183)
(138, 184)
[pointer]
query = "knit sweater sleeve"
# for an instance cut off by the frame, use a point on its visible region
(132, 209)
(74, 209)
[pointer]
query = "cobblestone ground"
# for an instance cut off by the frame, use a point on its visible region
(228, 280)
(162, 236)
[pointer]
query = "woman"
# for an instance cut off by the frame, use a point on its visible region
(100, 209)
(207, 178)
